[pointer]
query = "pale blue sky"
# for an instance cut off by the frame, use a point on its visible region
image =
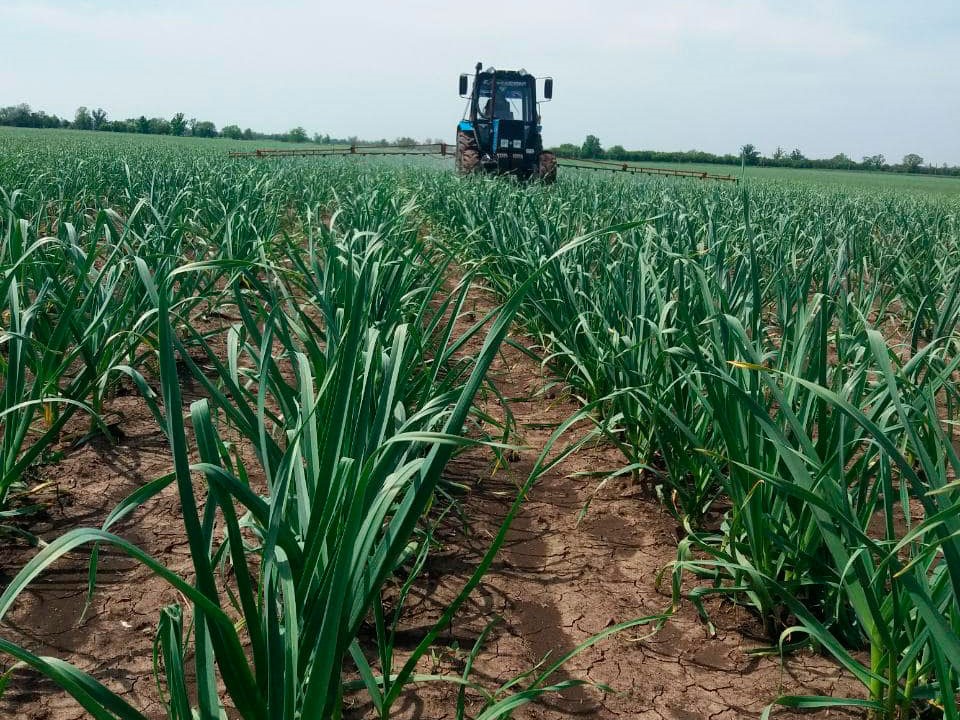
(827, 77)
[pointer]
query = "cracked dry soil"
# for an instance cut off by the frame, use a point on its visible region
(555, 582)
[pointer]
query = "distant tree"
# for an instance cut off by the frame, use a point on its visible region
(912, 161)
(405, 141)
(841, 162)
(298, 135)
(591, 147)
(82, 119)
(248, 134)
(617, 152)
(178, 126)
(231, 131)
(778, 153)
(158, 126)
(123, 126)
(143, 125)
(874, 162)
(749, 154)
(203, 128)
(567, 150)
(38, 119)
(17, 115)
(98, 118)
(796, 155)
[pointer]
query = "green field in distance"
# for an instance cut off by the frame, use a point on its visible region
(841, 178)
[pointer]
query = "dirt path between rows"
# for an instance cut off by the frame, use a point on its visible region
(556, 582)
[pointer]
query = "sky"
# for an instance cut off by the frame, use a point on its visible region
(859, 76)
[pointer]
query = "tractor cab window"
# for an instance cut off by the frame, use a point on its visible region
(512, 100)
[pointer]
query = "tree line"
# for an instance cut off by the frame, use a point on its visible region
(591, 149)
(179, 125)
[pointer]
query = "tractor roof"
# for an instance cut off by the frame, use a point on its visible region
(521, 73)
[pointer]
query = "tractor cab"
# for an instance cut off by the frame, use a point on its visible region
(501, 123)
(504, 98)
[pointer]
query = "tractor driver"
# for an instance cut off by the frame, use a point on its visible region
(499, 109)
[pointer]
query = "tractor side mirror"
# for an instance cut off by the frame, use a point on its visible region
(548, 88)
(463, 85)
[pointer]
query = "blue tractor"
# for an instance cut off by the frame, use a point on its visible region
(500, 131)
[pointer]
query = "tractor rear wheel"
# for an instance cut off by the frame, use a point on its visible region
(548, 168)
(468, 155)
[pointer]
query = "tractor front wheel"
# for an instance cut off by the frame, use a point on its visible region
(548, 168)
(468, 156)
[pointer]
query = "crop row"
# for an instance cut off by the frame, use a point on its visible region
(315, 316)
(779, 364)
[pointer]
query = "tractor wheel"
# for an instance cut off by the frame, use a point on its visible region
(548, 168)
(468, 156)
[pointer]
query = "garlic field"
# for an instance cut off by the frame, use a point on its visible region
(774, 365)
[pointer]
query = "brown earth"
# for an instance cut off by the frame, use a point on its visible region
(114, 640)
(556, 582)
